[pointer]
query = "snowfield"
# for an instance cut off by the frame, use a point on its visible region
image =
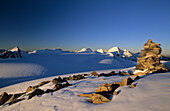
(16, 75)
(46, 63)
(150, 94)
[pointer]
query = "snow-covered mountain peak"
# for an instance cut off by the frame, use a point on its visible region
(114, 49)
(14, 49)
(100, 50)
(85, 50)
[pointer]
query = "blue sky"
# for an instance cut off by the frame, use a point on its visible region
(74, 24)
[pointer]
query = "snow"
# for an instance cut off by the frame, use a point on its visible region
(14, 49)
(100, 50)
(85, 50)
(150, 94)
(20, 69)
(127, 53)
(42, 64)
(16, 75)
(114, 49)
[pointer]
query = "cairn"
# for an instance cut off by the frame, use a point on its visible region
(149, 60)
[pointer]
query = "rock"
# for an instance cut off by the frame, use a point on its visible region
(31, 88)
(115, 93)
(35, 92)
(107, 87)
(150, 58)
(43, 83)
(136, 78)
(57, 86)
(58, 80)
(14, 97)
(85, 74)
(85, 95)
(98, 99)
(4, 97)
(16, 100)
(124, 82)
(112, 73)
(66, 85)
(94, 73)
(132, 86)
(129, 81)
(78, 77)
(70, 78)
(103, 74)
(123, 73)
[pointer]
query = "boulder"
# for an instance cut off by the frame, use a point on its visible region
(43, 83)
(14, 97)
(107, 87)
(98, 99)
(31, 88)
(126, 81)
(112, 73)
(4, 97)
(35, 92)
(94, 73)
(78, 77)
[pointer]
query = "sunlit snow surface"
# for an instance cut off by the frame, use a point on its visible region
(150, 94)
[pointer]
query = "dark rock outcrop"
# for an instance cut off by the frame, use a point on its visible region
(13, 53)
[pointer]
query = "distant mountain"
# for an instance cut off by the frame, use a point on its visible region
(116, 52)
(2, 50)
(85, 50)
(12, 53)
(166, 58)
(101, 51)
(46, 51)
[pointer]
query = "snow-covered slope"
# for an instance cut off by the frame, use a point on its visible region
(150, 94)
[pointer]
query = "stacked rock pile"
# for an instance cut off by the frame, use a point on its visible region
(149, 59)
